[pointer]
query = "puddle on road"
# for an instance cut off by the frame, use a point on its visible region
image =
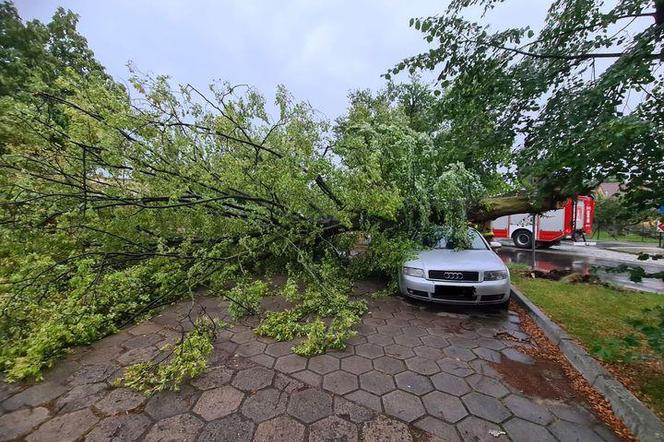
(543, 379)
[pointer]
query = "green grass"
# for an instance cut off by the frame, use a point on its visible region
(589, 311)
(630, 237)
(592, 313)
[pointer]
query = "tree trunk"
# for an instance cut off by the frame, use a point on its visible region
(495, 207)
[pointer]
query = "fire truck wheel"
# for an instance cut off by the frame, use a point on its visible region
(523, 239)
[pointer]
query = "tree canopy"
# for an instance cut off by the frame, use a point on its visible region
(573, 103)
(116, 200)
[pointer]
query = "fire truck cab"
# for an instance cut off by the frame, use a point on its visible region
(573, 220)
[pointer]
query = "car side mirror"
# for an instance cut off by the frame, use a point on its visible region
(495, 245)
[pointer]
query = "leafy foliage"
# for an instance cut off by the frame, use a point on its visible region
(187, 359)
(115, 200)
(575, 122)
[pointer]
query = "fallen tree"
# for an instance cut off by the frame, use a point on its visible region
(118, 199)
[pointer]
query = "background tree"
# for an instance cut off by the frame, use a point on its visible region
(576, 102)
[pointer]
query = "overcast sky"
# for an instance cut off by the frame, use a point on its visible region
(319, 49)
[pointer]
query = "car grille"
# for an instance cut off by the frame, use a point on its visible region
(453, 275)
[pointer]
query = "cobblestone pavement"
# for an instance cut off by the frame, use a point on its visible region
(413, 373)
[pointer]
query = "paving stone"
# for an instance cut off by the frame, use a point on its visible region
(340, 354)
(136, 355)
(265, 404)
(287, 384)
(466, 339)
(129, 427)
(438, 428)
(279, 429)
(521, 430)
(213, 378)
(356, 364)
(422, 366)
(120, 400)
(528, 409)
(492, 343)
(414, 331)
(34, 395)
(290, 363)
(65, 428)
(413, 382)
(383, 429)
(438, 342)
(219, 402)
(279, 349)
(253, 379)
(371, 351)
(376, 382)
(487, 385)
(515, 355)
(444, 406)
(264, 360)
(606, 433)
(486, 407)
(80, 396)
(451, 384)
(358, 339)
(250, 349)
(572, 413)
(459, 353)
(142, 341)
(478, 430)
(233, 428)
(399, 351)
(310, 405)
(309, 378)
(340, 382)
(243, 337)
(487, 354)
(323, 364)
(402, 405)
(18, 423)
(366, 399)
(484, 367)
(408, 341)
(571, 432)
(170, 403)
(352, 411)
(389, 330)
(333, 428)
(102, 355)
(92, 374)
(380, 339)
(180, 428)
(144, 328)
(427, 352)
(389, 365)
(455, 367)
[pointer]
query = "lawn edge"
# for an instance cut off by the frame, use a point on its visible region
(641, 421)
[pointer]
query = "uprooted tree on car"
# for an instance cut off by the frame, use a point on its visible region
(117, 200)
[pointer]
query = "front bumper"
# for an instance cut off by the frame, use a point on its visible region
(485, 292)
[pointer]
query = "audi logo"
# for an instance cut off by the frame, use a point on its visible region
(452, 275)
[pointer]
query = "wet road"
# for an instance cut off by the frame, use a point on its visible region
(581, 262)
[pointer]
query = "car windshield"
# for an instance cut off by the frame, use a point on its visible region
(476, 242)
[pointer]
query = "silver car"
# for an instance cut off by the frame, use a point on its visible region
(471, 276)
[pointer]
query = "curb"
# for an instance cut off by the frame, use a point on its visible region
(643, 423)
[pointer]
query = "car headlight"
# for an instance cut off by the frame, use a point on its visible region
(495, 275)
(413, 271)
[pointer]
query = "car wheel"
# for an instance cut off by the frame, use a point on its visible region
(523, 239)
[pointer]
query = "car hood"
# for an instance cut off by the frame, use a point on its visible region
(445, 259)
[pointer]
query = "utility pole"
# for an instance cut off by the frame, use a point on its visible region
(534, 239)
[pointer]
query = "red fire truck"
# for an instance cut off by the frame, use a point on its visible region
(573, 220)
